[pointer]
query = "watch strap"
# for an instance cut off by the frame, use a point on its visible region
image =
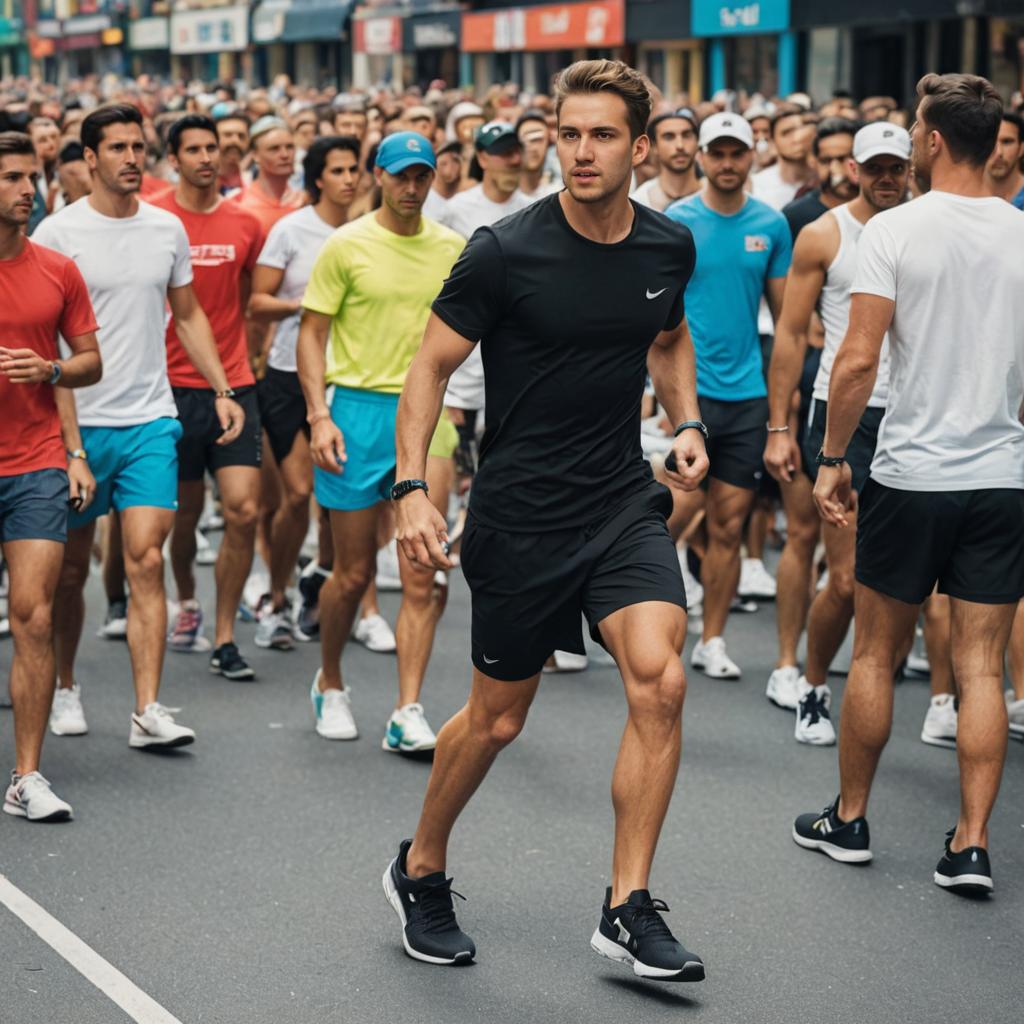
(404, 487)
(829, 460)
(691, 425)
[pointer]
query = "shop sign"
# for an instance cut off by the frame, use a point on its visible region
(379, 37)
(599, 24)
(150, 34)
(715, 18)
(211, 31)
(434, 35)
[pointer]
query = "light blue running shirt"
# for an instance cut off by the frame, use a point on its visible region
(735, 257)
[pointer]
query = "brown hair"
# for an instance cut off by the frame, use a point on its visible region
(591, 76)
(16, 144)
(965, 110)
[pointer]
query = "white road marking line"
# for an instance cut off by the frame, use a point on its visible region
(107, 978)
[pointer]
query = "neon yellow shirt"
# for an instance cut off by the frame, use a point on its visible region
(378, 287)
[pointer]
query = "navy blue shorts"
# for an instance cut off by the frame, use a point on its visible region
(34, 506)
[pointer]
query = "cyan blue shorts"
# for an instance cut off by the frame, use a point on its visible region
(366, 420)
(133, 466)
(34, 506)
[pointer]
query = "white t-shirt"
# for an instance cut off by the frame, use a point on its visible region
(292, 246)
(435, 205)
(466, 212)
(545, 188)
(956, 342)
(128, 264)
(768, 186)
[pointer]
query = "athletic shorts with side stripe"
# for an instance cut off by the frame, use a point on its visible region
(531, 590)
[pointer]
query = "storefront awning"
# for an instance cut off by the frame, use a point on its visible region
(268, 21)
(305, 22)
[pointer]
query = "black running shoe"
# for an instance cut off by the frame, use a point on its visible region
(967, 872)
(424, 906)
(635, 934)
(227, 662)
(846, 841)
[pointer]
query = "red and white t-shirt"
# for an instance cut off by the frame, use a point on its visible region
(41, 293)
(224, 243)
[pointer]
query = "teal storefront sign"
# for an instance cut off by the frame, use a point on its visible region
(10, 31)
(734, 17)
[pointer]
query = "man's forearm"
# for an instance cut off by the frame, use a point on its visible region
(264, 309)
(418, 412)
(68, 414)
(674, 375)
(784, 373)
(80, 370)
(311, 361)
(197, 340)
(849, 389)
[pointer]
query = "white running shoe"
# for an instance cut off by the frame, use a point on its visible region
(566, 661)
(756, 581)
(375, 634)
(695, 620)
(66, 716)
(918, 663)
(814, 716)
(115, 624)
(29, 796)
(694, 590)
(783, 689)
(939, 729)
(156, 727)
(257, 586)
(275, 630)
(333, 711)
(407, 731)
(713, 660)
(1015, 711)
(206, 554)
(388, 575)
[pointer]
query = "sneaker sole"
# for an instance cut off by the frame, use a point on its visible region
(837, 853)
(236, 677)
(938, 741)
(140, 743)
(969, 884)
(692, 970)
(16, 811)
(69, 732)
(391, 895)
(384, 745)
(727, 677)
(808, 741)
(271, 645)
(1017, 730)
(772, 699)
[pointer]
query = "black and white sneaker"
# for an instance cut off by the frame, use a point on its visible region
(967, 872)
(424, 906)
(635, 934)
(226, 661)
(846, 841)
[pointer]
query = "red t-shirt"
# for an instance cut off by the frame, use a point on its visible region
(41, 293)
(224, 243)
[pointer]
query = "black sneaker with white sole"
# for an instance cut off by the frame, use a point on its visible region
(967, 872)
(635, 934)
(845, 841)
(228, 662)
(424, 906)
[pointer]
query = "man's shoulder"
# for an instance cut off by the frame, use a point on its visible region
(758, 211)
(439, 234)
(661, 228)
(48, 259)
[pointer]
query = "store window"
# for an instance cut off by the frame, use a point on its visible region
(752, 64)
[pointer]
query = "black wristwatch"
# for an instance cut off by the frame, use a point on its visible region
(404, 487)
(691, 425)
(828, 460)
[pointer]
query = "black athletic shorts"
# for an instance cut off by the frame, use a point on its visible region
(282, 410)
(529, 589)
(859, 452)
(969, 542)
(198, 450)
(737, 435)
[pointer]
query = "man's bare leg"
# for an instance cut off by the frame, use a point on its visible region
(355, 553)
(290, 520)
(113, 560)
(239, 496)
(646, 641)
(1016, 653)
(34, 569)
(883, 624)
(937, 617)
(727, 510)
(828, 620)
(492, 718)
(980, 634)
(69, 601)
(191, 497)
(795, 566)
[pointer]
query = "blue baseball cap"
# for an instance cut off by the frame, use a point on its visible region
(405, 149)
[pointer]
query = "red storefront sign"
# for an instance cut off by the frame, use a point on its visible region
(597, 24)
(378, 36)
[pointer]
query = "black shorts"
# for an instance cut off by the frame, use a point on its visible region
(198, 450)
(282, 410)
(737, 433)
(859, 452)
(34, 506)
(467, 454)
(969, 542)
(529, 589)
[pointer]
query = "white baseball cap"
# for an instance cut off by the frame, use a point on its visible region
(880, 138)
(725, 126)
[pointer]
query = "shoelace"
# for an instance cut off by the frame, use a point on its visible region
(27, 782)
(812, 708)
(646, 919)
(437, 911)
(161, 711)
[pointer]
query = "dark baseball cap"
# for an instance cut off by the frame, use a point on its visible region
(683, 112)
(496, 137)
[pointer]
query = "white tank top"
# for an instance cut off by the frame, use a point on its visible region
(834, 310)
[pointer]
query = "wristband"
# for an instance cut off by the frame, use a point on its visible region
(404, 487)
(56, 372)
(691, 425)
(777, 430)
(829, 460)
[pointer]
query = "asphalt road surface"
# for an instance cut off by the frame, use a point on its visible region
(238, 881)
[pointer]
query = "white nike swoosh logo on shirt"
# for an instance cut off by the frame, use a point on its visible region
(491, 661)
(654, 295)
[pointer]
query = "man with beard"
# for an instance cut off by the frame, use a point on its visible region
(534, 181)
(824, 260)
(572, 300)
(1003, 171)
(233, 136)
(674, 137)
(945, 499)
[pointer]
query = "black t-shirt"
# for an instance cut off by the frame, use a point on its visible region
(803, 211)
(565, 325)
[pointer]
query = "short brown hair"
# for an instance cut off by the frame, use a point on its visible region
(16, 144)
(965, 110)
(590, 76)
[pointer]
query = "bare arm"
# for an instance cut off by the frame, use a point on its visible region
(264, 305)
(327, 444)
(81, 482)
(774, 289)
(673, 369)
(82, 368)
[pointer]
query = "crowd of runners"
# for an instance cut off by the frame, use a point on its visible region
(371, 338)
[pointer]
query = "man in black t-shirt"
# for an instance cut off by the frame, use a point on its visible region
(572, 300)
